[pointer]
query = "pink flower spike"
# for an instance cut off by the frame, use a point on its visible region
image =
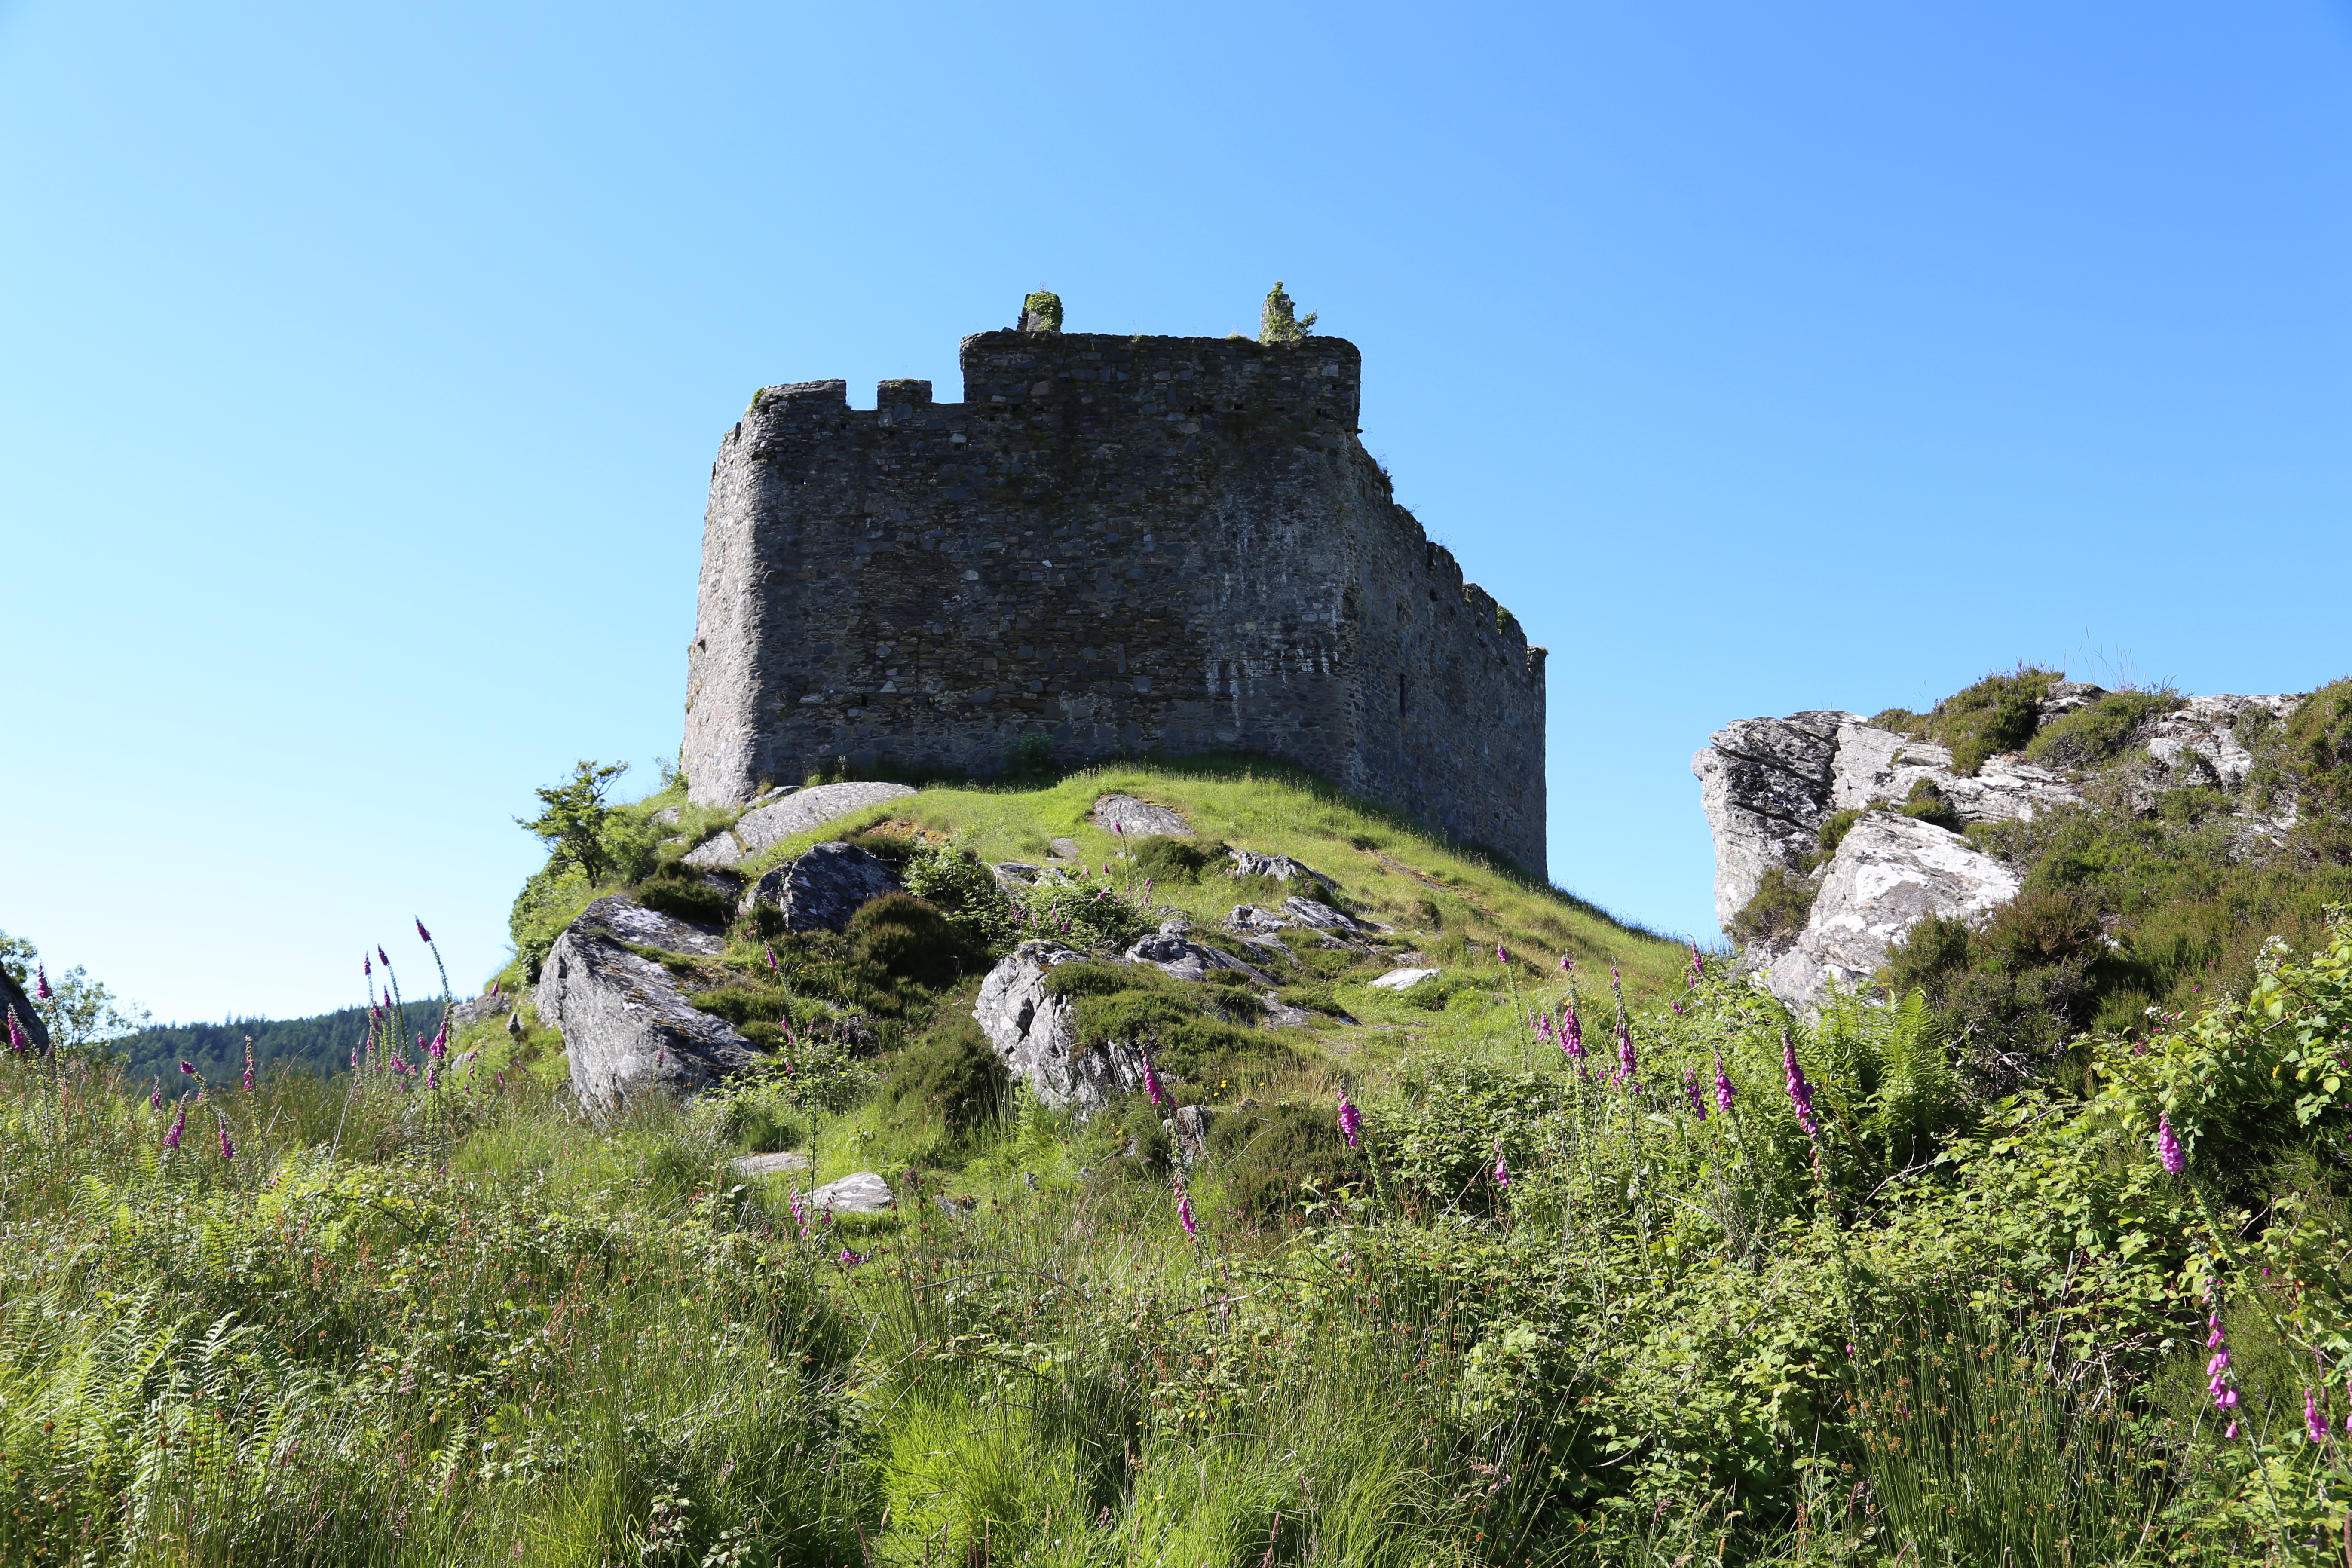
(172, 1138)
(421, 934)
(2314, 1419)
(228, 1149)
(1184, 1211)
(367, 968)
(384, 958)
(1500, 956)
(17, 1039)
(1502, 1169)
(1722, 1085)
(188, 1068)
(1151, 1083)
(1351, 1121)
(2168, 1147)
(41, 992)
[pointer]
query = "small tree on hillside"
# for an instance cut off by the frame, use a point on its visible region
(572, 824)
(1280, 322)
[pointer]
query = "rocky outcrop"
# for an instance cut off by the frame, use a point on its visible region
(1280, 867)
(1889, 873)
(1404, 979)
(1036, 1033)
(1133, 818)
(823, 887)
(1173, 951)
(765, 826)
(860, 1192)
(14, 1000)
(627, 1026)
(479, 1009)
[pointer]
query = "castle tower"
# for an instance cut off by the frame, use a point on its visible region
(1134, 545)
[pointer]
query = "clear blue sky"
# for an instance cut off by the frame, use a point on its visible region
(360, 367)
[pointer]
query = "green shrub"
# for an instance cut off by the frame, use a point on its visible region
(1999, 713)
(1782, 903)
(1833, 831)
(895, 846)
(1168, 861)
(951, 1072)
(675, 890)
(900, 935)
(1928, 804)
(2089, 736)
(1266, 1157)
(2319, 744)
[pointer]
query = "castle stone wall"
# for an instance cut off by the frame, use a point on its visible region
(1149, 545)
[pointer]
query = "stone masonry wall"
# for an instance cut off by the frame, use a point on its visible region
(1149, 545)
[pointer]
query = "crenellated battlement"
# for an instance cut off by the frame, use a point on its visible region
(1131, 544)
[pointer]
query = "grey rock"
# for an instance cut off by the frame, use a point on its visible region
(1879, 766)
(768, 797)
(626, 1025)
(821, 888)
(1133, 818)
(764, 826)
(1281, 867)
(719, 852)
(2197, 743)
(1035, 1033)
(1404, 979)
(1185, 959)
(751, 1167)
(1322, 917)
(12, 999)
(1255, 918)
(479, 1009)
(1766, 785)
(1889, 872)
(1188, 1128)
(860, 1192)
(1018, 873)
(1067, 848)
(1176, 925)
(666, 817)
(1280, 1014)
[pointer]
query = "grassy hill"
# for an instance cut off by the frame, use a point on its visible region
(1709, 1284)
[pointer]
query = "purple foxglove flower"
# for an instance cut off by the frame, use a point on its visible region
(2168, 1147)
(179, 1125)
(774, 968)
(1697, 964)
(1800, 1093)
(228, 1149)
(1690, 1087)
(800, 1210)
(1351, 1121)
(355, 1058)
(1151, 1083)
(1566, 964)
(1722, 1086)
(155, 1096)
(494, 989)
(1626, 1064)
(1571, 1034)
(849, 1259)
(1184, 1211)
(2314, 1419)
(17, 1039)
(1500, 956)
(188, 1068)
(1678, 1007)
(440, 1045)
(661, 1059)
(1502, 1167)
(384, 958)
(41, 991)
(421, 934)
(367, 969)
(432, 1077)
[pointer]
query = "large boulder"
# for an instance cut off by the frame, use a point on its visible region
(627, 1026)
(1174, 952)
(821, 888)
(1889, 873)
(765, 826)
(1035, 1034)
(14, 1000)
(1280, 867)
(1133, 818)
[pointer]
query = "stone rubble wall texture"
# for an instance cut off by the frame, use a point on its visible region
(1134, 545)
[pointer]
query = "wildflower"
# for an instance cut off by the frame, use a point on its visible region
(41, 991)
(1566, 964)
(1351, 1121)
(774, 968)
(1184, 1210)
(1502, 1169)
(155, 1096)
(1697, 964)
(172, 1138)
(421, 934)
(1800, 1093)
(188, 1068)
(800, 1210)
(1151, 1083)
(228, 1149)
(367, 969)
(1690, 1087)
(1500, 956)
(1625, 1062)
(432, 1076)
(849, 1259)
(2315, 1420)
(661, 1059)
(1722, 1085)
(440, 1045)
(2168, 1147)
(384, 958)
(17, 1039)
(2218, 1380)
(248, 1064)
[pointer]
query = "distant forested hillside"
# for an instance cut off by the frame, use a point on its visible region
(323, 1044)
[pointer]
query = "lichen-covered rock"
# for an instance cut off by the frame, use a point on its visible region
(1134, 819)
(821, 888)
(14, 1000)
(627, 1025)
(1178, 956)
(478, 1009)
(860, 1192)
(1255, 918)
(1322, 917)
(778, 815)
(1404, 979)
(1766, 785)
(1889, 873)
(1035, 1035)
(1281, 867)
(1187, 1130)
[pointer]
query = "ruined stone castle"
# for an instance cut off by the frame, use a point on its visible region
(1133, 545)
